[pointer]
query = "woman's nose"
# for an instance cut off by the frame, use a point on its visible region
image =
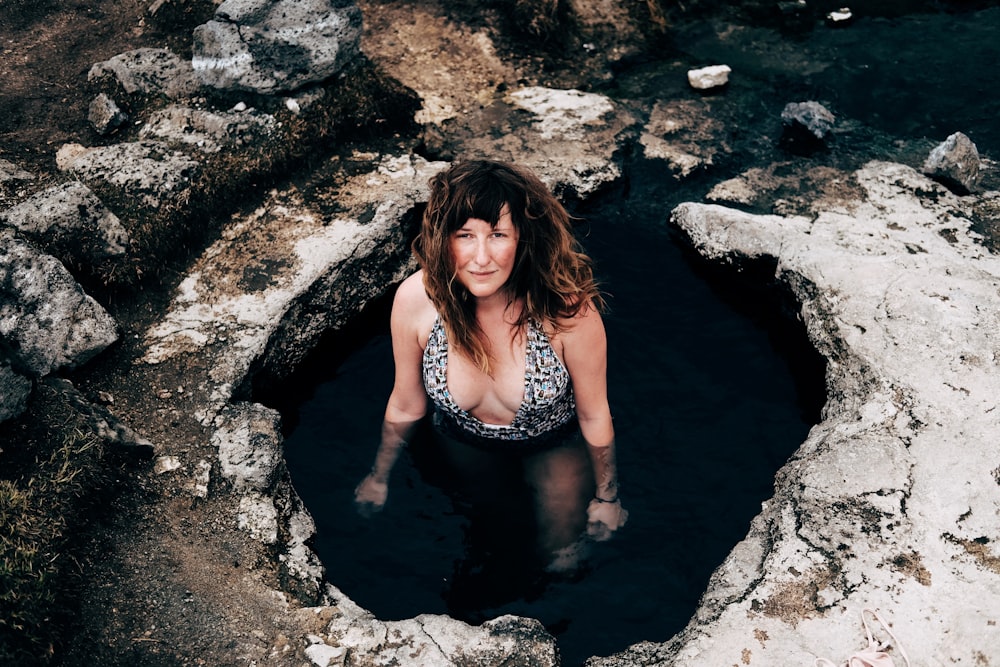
(482, 253)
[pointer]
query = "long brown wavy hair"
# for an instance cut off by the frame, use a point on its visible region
(551, 272)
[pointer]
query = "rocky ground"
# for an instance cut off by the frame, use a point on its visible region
(155, 585)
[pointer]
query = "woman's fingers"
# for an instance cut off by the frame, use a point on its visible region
(603, 519)
(370, 496)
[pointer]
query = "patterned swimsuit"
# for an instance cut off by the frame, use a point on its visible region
(546, 414)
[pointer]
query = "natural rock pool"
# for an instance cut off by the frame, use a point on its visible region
(712, 390)
(712, 387)
(890, 502)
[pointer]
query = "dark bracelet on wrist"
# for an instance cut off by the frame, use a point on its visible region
(602, 500)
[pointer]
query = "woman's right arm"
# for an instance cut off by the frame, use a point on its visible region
(408, 402)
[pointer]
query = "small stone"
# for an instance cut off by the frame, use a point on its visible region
(166, 464)
(812, 117)
(713, 76)
(105, 116)
(202, 478)
(955, 162)
(323, 655)
(840, 17)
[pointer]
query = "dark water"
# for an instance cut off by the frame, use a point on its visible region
(922, 75)
(919, 75)
(711, 388)
(705, 411)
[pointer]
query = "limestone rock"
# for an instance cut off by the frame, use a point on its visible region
(71, 223)
(150, 72)
(580, 134)
(713, 76)
(104, 114)
(439, 641)
(891, 501)
(955, 162)
(249, 445)
(257, 288)
(737, 190)
(810, 117)
(258, 516)
(322, 655)
(209, 131)
(147, 172)
(269, 46)
(46, 318)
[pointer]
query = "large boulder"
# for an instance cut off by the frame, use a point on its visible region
(147, 173)
(71, 223)
(148, 71)
(45, 316)
(47, 321)
(268, 46)
(210, 131)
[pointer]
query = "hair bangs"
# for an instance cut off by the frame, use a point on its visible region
(481, 198)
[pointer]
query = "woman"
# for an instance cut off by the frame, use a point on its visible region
(500, 329)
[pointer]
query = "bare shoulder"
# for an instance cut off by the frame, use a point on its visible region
(581, 332)
(411, 307)
(586, 322)
(410, 292)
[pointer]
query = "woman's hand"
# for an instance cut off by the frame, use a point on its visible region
(370, 496)
(604, 518)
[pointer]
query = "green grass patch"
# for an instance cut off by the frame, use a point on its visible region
(54, 471)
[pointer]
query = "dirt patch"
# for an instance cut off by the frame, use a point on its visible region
(798, 599)
(912, 565)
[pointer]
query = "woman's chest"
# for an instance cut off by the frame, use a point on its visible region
(494, 397)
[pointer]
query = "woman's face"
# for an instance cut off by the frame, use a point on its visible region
(483, 255)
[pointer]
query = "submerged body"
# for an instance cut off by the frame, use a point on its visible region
(510, 364)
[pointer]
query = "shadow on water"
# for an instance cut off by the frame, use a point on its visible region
(712, 386)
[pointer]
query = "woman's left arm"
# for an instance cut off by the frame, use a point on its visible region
(585, 352)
